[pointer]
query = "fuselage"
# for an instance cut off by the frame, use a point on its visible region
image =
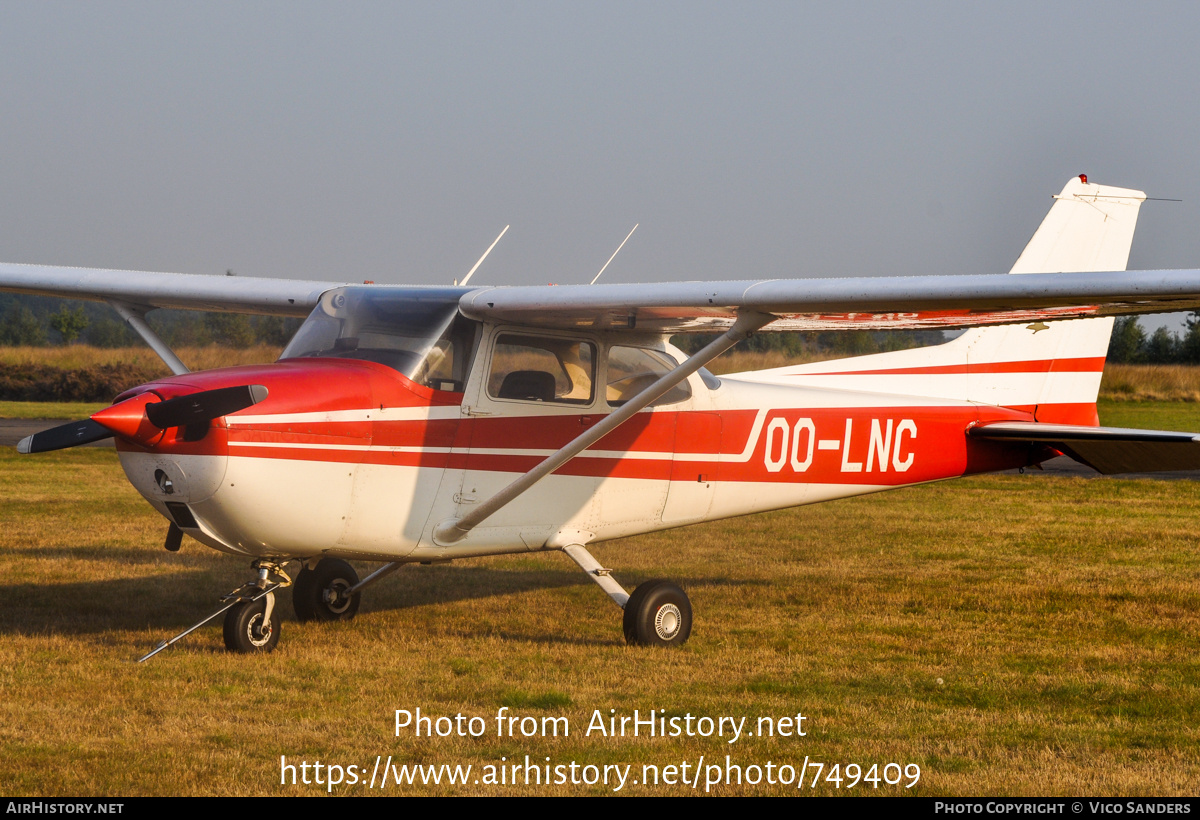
(353, 458)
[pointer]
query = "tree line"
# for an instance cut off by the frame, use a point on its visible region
(41, 321)
(1129, 343)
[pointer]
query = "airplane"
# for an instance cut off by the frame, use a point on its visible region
(409, 424)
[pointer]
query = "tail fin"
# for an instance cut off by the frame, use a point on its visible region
(1052, 369)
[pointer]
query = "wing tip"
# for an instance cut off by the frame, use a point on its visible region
(25, 445)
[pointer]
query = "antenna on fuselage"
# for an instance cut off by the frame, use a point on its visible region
(485, 256)
(614, 256)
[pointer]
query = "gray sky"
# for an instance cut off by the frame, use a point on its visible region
(393, 141)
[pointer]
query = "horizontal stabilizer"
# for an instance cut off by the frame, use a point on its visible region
(1108, 450)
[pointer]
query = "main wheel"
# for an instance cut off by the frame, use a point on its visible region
(319, 594)
(245, 630)
(658, 613)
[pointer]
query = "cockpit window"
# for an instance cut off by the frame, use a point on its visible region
(542, 368)
(417, 332)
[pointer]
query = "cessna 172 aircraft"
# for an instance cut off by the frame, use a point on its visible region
(425, 424)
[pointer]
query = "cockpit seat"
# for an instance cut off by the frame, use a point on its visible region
(528, 385)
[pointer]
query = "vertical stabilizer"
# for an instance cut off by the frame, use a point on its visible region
(1089, 228)
(1052, 368)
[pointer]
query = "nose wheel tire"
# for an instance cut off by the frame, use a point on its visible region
(246, 631)
(319, 594)
(658, 613)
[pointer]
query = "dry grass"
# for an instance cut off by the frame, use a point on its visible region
(76, 357)
(1012, 635)
(1151, 382)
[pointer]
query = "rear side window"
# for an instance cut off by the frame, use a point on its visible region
(542, 368)
(632, 369)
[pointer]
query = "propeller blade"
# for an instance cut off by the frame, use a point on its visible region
(63, 436)
(205, 406)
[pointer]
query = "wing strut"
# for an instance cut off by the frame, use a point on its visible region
(136, 319)
(454, 530)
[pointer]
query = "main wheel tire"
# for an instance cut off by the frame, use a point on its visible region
(245, 631)
(658, 613)
(319, 593)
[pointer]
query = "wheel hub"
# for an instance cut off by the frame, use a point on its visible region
(258, 633)
(667, 621)
(336, 597)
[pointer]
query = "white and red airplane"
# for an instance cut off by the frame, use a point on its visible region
(424, 424)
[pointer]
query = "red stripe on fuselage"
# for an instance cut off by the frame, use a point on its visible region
(1080, 365)
(885, 445)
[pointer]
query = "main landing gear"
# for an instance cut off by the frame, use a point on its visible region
(323, 592)
(658, 613)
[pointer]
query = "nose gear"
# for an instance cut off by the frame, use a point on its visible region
(250, 625)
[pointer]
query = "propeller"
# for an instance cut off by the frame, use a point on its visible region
(206, 406)
(66, 435)
(143, 419)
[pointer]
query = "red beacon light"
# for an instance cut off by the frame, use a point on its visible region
(1083, 178)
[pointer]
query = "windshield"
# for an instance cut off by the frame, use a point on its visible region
(417, 331)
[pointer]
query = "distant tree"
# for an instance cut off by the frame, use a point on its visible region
(1128, 342)
(108, 333)
(1163, 347)
(69, 323)
(275, 330)
(1189, 345)
(21, 327)
(232, 329)
(180, 328)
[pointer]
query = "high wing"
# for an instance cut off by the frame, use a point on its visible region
(185, 291)
(859, 303)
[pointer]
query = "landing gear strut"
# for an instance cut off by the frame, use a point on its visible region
(658, 613)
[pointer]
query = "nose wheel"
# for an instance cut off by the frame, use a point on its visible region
(250, 627)
(250, 621)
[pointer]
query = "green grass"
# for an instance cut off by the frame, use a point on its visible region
(48, 409)
(1009, 634)
(1183, 416)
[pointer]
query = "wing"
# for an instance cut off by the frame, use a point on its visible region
(231, 294)
(864, 303)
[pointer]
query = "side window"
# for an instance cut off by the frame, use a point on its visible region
(632, 369)
(537, 368)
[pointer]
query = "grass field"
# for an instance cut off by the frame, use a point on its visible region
(1009, 634)
(1018, 635)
